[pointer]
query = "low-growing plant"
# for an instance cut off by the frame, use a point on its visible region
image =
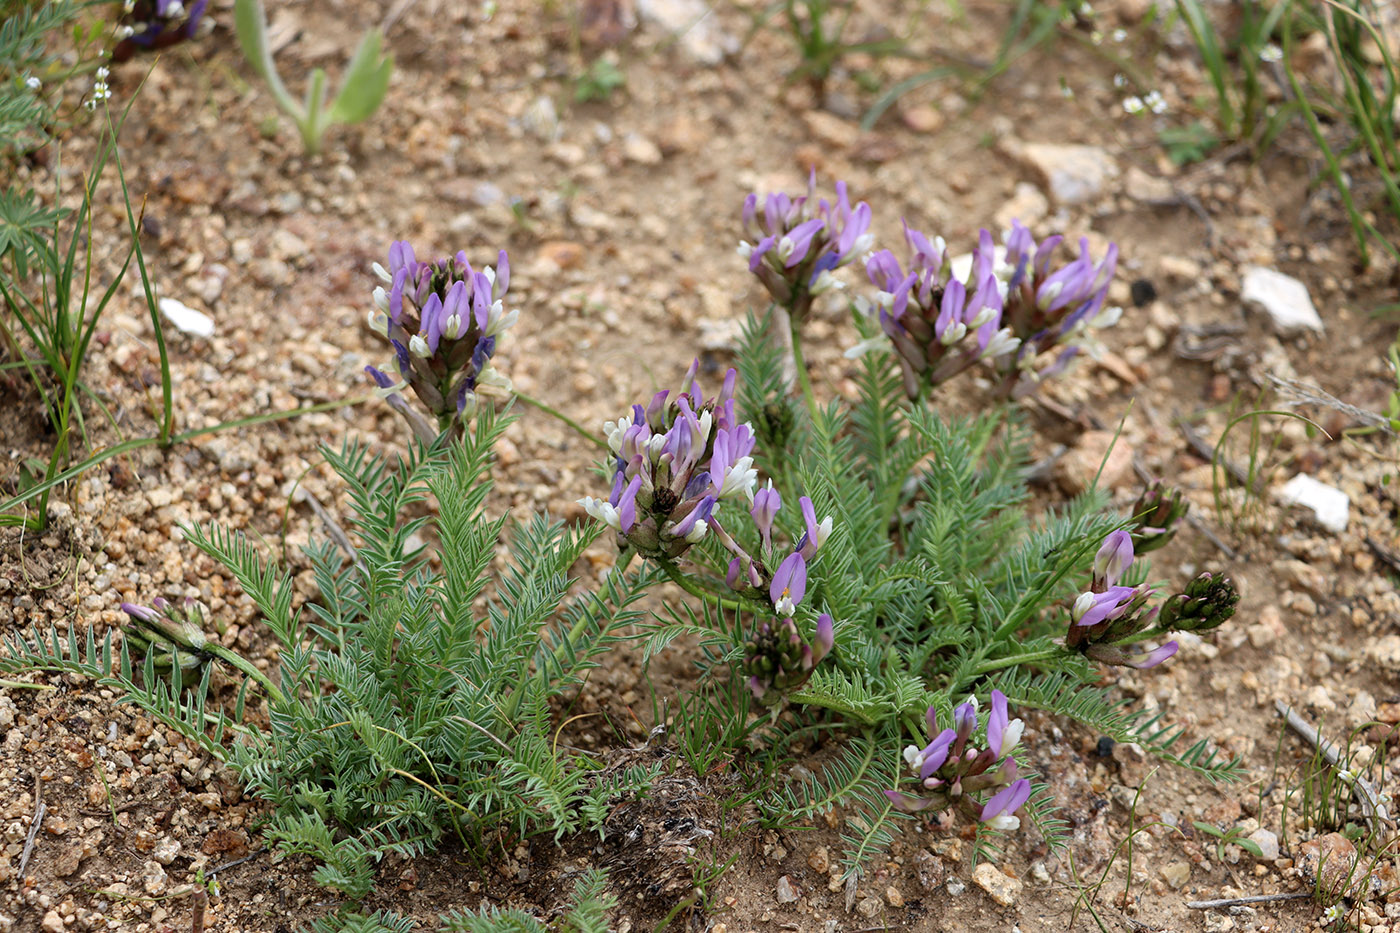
(54, 303)
(362, 87)
(818, 30)
(1232, 836)
(29, 69)
(885, 585)
(1358, 94)
(598, 81)
(1235, 67)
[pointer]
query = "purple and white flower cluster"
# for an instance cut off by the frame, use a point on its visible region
(798, 243)
(150, 25)
(1011, 306)
(443, 319)
(1107, 619)
(675, 463)
(1013, 309)
(953, 774)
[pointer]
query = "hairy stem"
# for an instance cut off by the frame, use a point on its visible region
(800, 364)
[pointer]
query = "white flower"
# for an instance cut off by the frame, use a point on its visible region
(452, 326)
(823, 531)
(1134, 104)
(913, 756)
(614, 430)
(878, 342)
(697, 531)
(955, 332)
(175, 9)
(379, 322)
(745, 249)
(741, 478)
(418, 347)
(102, 73)
(1270, 53)
(1155, 102)
(985, 315)
(861, 245)
(1011, 736)
(1004, 823)
(1120, 80)
(825, 282)
(785, 606)
(125, 32)
(33, 83)
(382, 272)
(497, 320)
(604, 511)
(491, 381)
(1002, 343)
(1107, 317)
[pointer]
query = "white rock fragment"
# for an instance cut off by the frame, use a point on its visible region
(1073, 174)
(693, 23)
(186, 319)
(1283, 298)
(1001, 888)
(1329, 504)
(1267, 841)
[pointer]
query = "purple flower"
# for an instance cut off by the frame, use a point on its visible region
(766, 503)
(815, 534)
(999, 809)
(1012, 309)
(443, 320)
(1113, 558)
(797, 243)
(674, 465)
(156, 24)
(953, 774)
(789, 584)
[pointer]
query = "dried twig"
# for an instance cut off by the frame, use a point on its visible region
(1371, 806)
(1252, 899)
(238, 861)
(1386, 556)
(40, 808)
(337, 534)
(1303, 393)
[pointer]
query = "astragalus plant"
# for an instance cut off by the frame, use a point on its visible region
(409, 702)
(865, 572)
(926, 585)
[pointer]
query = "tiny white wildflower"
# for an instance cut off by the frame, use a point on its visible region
(33, 83)
(1155, 102)
(1120, 80)
(1270, 53)
(1133, 104)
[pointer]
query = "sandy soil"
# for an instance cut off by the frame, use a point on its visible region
(621, 218)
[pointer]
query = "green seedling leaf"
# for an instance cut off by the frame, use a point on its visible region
(365, 83)
(250, 22)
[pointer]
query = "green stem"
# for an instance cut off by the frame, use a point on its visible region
(556, 413)
(695, 589)
(234, 659)
(23, 685)
(986, 667)
(802, 378)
